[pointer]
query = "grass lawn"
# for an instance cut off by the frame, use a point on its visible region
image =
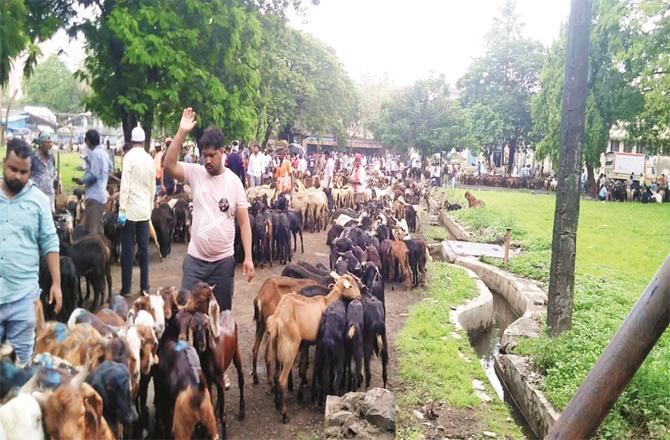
(436, 366)
(70, 166)
(620, 246)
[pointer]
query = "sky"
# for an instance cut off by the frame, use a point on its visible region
(402, 40)
(409, 40)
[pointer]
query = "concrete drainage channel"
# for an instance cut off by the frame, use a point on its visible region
(507, 308)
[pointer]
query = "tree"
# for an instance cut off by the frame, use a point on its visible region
(148, 59)
(423, 116)
(648, 65)
(566, 214)
(303, 85)
(611, 97)
(372, 93)
(502, 82)
(54, 86)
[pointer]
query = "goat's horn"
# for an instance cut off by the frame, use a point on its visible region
(335, 275)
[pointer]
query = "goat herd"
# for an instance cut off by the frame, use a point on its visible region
(91, 372)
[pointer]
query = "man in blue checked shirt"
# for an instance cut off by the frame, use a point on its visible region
(26, 229)
(95, 180)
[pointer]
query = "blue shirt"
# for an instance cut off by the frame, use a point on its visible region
(26, 228)
(43, 174)
(95, 177)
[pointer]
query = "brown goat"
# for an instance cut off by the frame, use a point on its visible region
(214, 337)
(265, 304)
(473, 202)
(193, 406)
(297, 319)
(400, 254)
(74, 411)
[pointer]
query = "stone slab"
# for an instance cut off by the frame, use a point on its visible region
(470, 249)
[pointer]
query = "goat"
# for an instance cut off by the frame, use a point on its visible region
(354, 343)
(111, 381)
(297, 319)
(374, 281)
(92, 258)
(21, 418)
(182, 397)
(400, 255)
(473, 202)
(265, 304)
(162, 219)
(69, 281)
(374, 340)
(330, 350)
(214, 337)
(418, 250)
(281, 235)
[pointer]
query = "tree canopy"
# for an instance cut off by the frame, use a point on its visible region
(499, 85)
(54, 86)
(422, 116)
(303, 85)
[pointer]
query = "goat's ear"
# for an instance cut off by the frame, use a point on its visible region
(92, 405)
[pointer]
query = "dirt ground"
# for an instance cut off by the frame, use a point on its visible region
(262, 419)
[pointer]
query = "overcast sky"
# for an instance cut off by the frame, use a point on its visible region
(409, 39)
(403, 39)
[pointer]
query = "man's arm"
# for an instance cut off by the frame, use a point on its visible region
(55, 294)
(245, 231)
(48, 243)
(172, 154)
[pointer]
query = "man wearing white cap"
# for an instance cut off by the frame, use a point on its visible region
(136, 201)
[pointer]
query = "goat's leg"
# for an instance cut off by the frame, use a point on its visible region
(237, 360)
(302, 242)
(368, 347)
(221, 403)
(208, 420)
(260, 332)
(288, 355)
(108, 276)
(302, 369)
(385, 358)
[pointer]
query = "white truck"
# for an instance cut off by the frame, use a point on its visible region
(620, 166)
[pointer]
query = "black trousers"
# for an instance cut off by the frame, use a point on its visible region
(133, 232)
(219, 273)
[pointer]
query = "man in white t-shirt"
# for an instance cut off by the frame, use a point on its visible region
(256, 166)
(218, 199)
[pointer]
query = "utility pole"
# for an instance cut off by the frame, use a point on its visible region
(566, 214)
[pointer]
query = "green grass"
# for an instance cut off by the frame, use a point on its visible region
(70, 167)
(435, 366)
(620, 246)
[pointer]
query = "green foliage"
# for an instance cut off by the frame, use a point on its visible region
(303, 85)
(648, 65)
(611, 97)
(24, 24)
(423, 116)
(497, 89)
(435, 365)
(619, 248)
(146, 60)
(54, 86)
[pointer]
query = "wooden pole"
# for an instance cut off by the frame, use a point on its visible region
(566, 213)
(508, 236)
(618, 363)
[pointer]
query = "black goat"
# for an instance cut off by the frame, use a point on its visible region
(281, 236)
(331, 350)
(334, 232)
(92, 258)
(410, 217)
(163, 222)
(111, 381)
(69, 283)
(374, 281)
(417, 260)
(374, 341)
(354, 342)
(295, 224)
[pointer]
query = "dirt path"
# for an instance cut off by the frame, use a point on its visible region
(262, 420)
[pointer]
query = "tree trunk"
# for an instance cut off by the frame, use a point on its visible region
(566, 214)
(128, 122)
(147, 123)
(512, 150)
(268, 133)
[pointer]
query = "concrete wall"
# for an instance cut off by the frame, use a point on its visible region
(476, 315)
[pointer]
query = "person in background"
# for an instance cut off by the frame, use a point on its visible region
(111, 155)
(26, 230)
(44, 172)
(602, 194)
(256, 166)
(302, 166)
(435, 175)
(236, 162)
(283, 173)
(95, 180)
(452, 175)
(359, 180)
(158, 165)
(329, 170)
(136, 201)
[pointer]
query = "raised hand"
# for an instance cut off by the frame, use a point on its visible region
(187, 120)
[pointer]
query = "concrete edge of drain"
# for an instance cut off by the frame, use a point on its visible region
(475, 315)
(529, 302)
